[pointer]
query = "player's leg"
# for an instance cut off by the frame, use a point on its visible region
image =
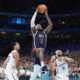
(41, 56)
(37, 61)
(36, 57)
(9, 75)
(15, 76)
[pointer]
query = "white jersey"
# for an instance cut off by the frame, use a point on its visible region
(62, 68)
(11, 71)
(10, 60)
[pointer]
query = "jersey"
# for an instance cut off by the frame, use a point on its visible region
(40, 39)
(10, 60)
(11, 71)
(62, 68)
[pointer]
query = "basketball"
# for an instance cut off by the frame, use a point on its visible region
(42, 8)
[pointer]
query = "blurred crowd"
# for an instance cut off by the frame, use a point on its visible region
(26, 66)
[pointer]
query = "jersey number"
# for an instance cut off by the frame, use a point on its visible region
(63, 68)
(41, 40)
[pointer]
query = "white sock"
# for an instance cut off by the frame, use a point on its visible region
(42, 63)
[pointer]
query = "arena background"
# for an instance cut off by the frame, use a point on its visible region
(15, 16)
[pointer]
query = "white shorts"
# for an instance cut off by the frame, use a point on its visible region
(11, 74)
(60, 78)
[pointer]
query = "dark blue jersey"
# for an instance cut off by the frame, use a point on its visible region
(40, 39)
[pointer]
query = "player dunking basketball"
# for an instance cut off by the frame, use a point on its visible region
(40, 36)
(11, 64)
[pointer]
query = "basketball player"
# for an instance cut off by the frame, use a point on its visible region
(40, 35)
(59, 63)
(11, 64)
(40, 39)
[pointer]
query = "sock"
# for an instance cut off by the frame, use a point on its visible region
(42, 63)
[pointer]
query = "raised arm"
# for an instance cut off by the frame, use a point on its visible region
(50, 24)
(68, 59)
(33, 22)
(53, 69)
(52, 59)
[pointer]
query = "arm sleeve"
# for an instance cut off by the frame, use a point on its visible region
(33, 19)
